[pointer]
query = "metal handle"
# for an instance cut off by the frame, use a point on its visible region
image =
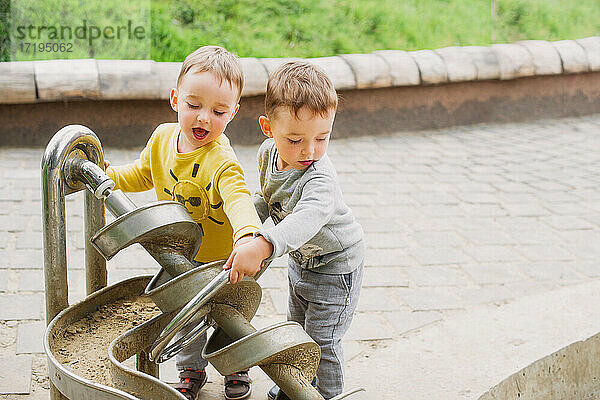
(158, 352)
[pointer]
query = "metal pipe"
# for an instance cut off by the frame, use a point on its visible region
(157, 352)
(287, 377)
(70, 141)
(117, 203)
(95, 264)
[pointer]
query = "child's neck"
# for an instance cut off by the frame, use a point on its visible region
(281, 165)
(185, 147)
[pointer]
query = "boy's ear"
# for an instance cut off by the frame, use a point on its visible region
(173, 99)
(234, 113)
(265, 126)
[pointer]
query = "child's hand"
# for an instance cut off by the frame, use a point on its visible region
(247, 258)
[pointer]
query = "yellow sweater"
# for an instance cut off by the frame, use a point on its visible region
(208, 181)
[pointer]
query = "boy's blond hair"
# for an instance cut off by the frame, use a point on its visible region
(225, 65)
(298, 84)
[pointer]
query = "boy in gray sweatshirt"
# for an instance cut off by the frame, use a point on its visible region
(300, 191)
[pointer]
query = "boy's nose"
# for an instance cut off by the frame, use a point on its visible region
(202, 117)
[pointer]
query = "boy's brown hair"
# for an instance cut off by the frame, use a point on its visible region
(225, 65)
(298, 84)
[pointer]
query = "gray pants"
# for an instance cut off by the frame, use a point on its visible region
(324, 305)
(191, 356)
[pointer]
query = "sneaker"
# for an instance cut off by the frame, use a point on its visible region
(238, 386)
(190, 383)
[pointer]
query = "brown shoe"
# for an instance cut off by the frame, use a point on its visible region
(238, 386)
(190, 383)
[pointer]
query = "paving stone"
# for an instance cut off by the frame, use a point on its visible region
(403, 68)
(551, 271)
(436, 239)
(433, 256)
(545, 253)
(387, 257)
(430, 299)
(486, 294)
(525, 210)
(406, 321)
(30, 337)
(588, 268)
(20, 306)
(352, 349)
(280, 299)
(485, 61)
(477, 198)
(433, 224)
(432, 67)
(384, 277)
(15, 375)
(441, 210)
(15, 223)
(458, 64)
(532, 236)
(273, 279)
(384, 241)
(514, 60)
(567, 209)
(4, 276)
(370, 70)
(378, 299)
(546, 59)
(488, 237)
(435, 198)
(591, 45)
(434, 275)
(28, 259)
(572, 54)
(369, 326)
(567, 223)
(581, 236)
(31, 280)
(493, 273)
(497, 253)
(29, 240)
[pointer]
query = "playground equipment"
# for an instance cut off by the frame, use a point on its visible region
(87, 343)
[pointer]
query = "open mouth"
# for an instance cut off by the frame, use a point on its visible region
(199, 133)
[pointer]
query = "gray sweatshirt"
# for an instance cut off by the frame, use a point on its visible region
(312, 222)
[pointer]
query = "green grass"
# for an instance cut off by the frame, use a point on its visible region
(315, 28)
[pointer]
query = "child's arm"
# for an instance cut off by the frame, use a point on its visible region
(237, 202)
(134, 177)
(311, 213)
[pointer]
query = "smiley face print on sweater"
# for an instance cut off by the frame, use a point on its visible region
(193, 197)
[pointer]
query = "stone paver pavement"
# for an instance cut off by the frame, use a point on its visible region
(453, 218)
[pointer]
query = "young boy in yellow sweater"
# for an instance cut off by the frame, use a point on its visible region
(193, 163)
